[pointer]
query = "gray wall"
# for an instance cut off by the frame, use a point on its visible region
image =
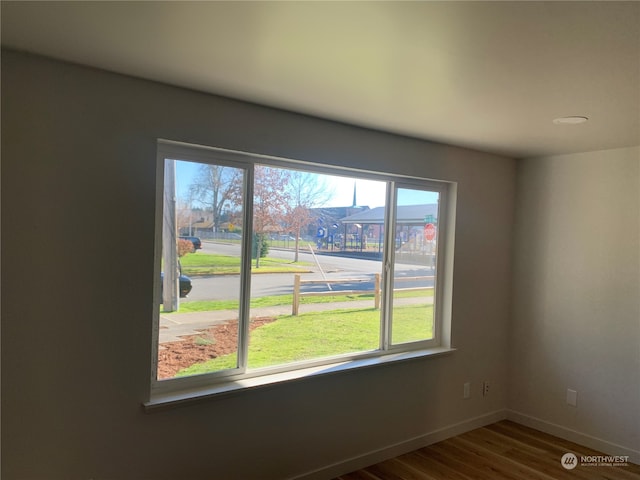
(78, 173)
(576, 311)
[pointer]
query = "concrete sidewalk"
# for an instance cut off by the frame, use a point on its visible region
(173, 326)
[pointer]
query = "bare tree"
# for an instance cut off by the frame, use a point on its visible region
(183, 216)
(306, 191)
(215, 187)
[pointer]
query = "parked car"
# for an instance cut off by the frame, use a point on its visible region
(195, 241)
(185, 285)
(283, 238)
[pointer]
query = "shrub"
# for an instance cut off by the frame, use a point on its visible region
(184, 247)
(259, 238)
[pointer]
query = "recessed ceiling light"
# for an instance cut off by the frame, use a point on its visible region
(573, 120)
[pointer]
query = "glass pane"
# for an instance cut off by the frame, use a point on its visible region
(416, 226)
(313, 283)
(204, 225)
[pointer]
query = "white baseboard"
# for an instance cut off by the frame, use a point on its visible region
(390, 451)
(574, 436)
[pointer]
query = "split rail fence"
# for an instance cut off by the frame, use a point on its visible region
(377, 292)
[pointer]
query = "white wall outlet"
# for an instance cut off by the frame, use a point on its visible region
(466, 390)
(485, 388)
(572, 397)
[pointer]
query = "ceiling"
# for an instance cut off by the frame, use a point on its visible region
(485, 75)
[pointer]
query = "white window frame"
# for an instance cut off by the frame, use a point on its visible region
(186, 389)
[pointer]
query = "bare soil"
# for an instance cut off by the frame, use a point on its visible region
(209, 343)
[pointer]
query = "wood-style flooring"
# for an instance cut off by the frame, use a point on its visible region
(504, 450)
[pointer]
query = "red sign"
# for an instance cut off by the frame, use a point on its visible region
(429, 231)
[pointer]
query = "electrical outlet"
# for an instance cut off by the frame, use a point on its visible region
(485, 388)
(572, 397)
(466, 390)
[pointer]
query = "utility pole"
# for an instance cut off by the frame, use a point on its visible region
(170, 296)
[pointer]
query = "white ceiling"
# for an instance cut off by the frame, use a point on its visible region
(486, 75)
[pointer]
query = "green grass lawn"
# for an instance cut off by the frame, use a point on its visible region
(194, 264)
(187, 306)
(323, 334)
(271, 301)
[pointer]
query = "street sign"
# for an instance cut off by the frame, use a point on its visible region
(321, 232)
(429, 231)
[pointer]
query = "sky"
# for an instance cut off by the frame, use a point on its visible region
(369, 193)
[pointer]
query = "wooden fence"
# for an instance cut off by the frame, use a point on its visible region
(298, 282)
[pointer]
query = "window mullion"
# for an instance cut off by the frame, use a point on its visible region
(387, 265)
(245, 272)
(439, 283)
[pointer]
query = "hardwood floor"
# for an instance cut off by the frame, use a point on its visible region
(504, 450)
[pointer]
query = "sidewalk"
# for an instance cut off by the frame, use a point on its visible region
(175, 325)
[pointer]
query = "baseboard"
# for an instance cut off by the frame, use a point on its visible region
(391, 451)
(574, 436)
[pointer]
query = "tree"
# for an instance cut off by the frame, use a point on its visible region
(306, 191)
(186, 215)
(215, 187)
(270, 198)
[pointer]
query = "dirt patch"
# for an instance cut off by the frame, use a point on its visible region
(209, 343)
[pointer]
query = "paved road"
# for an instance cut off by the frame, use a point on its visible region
(226, 287)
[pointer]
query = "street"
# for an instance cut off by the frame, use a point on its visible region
(226, 287)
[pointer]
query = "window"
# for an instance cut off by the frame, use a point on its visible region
(268, 266)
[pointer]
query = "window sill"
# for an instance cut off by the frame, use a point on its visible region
(233, 387)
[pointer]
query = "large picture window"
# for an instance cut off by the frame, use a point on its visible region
(267, 266)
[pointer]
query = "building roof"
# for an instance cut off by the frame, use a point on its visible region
(406, 214)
